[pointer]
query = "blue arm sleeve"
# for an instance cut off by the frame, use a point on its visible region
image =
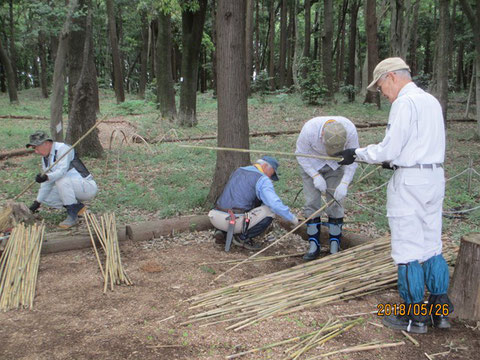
(266, 193)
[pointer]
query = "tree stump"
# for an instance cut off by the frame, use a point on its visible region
(465, 290)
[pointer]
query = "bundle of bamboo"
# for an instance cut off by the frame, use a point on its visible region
(348, 274)
(19, 266)
(106, 233)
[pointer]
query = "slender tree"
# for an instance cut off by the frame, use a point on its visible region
(193, 20)
(352, 44)
(42, 55)
(249, 42)
(142, 81)
(372, 48)
(283, 44)
(441, 73)
(163, 68)
(7, 65)
(271, 46)
(117, 67)
(327, 38)
(232, 92)
(13, 51)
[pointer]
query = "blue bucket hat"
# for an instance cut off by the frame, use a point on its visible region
(274, 164)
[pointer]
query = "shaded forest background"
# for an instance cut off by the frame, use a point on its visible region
(166, 51)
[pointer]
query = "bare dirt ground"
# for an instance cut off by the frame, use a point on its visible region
(73, 319)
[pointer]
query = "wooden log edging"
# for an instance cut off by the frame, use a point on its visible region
(13, 153)
(65, 240)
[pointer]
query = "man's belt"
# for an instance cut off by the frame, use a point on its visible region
(234, 210)
(419, 166)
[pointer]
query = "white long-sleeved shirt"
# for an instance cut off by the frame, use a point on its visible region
(59, 170)
(415, 132)
(310, 142)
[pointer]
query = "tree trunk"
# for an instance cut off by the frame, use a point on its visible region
(82, 115)
(308, 21)
(117, 66)
(232, 92)
(414, 43)
(474, 20)
(339, 48)
(283, 44)
(58, 86)
(291, 35)
(442, 57)
(192, 32)
(465, 290)
(163, 68)
(42, 55)
(352, 42)
(460, 64)
(315, 36)
(7, 66)
(372, 49)
(35, 76)
(3, 85)
(13, 52)
(271, 47)
(249, 43)
(327, 39)
(214, 52)
(142, 81)
(258, 68)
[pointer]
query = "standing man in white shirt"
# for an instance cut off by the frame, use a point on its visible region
(414, 146)
(67, 184)
(325, 136)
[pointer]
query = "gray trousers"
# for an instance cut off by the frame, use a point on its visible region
(313, 198)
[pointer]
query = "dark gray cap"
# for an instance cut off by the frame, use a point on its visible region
(38, 138)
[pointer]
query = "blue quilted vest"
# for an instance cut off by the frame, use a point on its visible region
(239, 193)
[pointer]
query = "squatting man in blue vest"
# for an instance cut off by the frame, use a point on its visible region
(325, 136)
(250, 194)
(414, 147)
(67, 184)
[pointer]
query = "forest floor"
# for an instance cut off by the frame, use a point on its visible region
(73, 319)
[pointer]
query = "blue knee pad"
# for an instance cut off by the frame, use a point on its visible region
(313, 230)
(436, 275)
(411, 283)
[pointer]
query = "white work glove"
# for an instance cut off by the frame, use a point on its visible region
(341, 191)
(320, 183)
(294, 221)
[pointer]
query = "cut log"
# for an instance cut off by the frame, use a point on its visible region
(65, 240)
(153, 229)
(17, 152)
(465, 289)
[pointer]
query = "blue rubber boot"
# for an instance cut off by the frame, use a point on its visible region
(313, 231)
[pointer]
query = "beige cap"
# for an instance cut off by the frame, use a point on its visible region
(384, 66)
(334, 137)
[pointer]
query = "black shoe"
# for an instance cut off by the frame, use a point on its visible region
(313, 252)
(439, 322)
(404, 323)
(247, 243)
(219, 237)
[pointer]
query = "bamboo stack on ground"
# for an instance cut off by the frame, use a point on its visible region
(355, 272)
(19, 266)
(106, 233)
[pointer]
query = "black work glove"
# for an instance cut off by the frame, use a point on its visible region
(386, 165)
(348, 156)
(41, 178)
(34, 207)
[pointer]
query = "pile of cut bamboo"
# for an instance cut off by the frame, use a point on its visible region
(106, 233)
(19, 266)
(355, 272)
